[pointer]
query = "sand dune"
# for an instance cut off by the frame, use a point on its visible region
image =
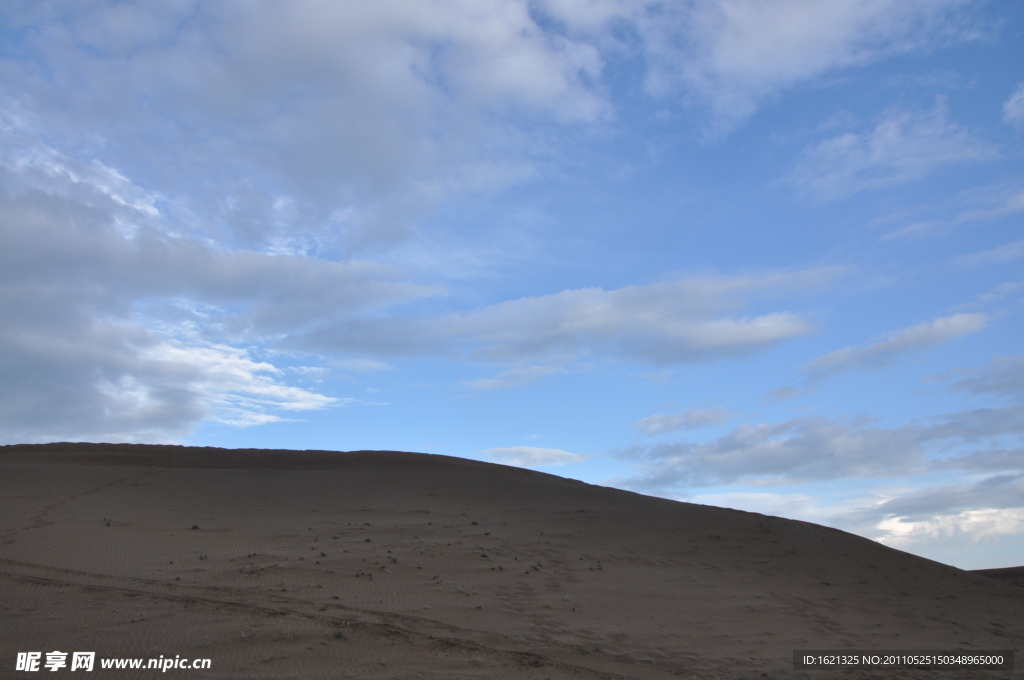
(285, 564)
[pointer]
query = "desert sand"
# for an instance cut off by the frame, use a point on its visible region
(373, 564)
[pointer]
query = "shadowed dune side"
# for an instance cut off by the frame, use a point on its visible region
(317, 564)
(1012, 575)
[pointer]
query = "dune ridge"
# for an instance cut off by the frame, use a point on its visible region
(378, 564)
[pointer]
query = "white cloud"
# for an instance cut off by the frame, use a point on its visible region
(970, 527)
(963, 513)
(672, 322)
(900, 148)
(886, 350)
(96, 282)
(232, 383)
(733, 54)
(124, 383)
(307, 116)
(531, 456)
(238, 141)
(690, 419)
(1013, 108)
(87, 225)
(334, 124)
(113, 328)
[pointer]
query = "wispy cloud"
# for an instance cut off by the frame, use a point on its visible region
(886, 350)
(999, 204)
(1008, 252)
(515, 377)
(690, 419)
(364, 365)
(901, 147)
(1013, 108)
(968, 207)
(532, 456)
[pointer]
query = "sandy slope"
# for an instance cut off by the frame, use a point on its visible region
(280, 564)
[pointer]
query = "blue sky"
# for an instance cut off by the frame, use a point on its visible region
(760, 254)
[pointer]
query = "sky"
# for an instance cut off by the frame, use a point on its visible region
(759, 254)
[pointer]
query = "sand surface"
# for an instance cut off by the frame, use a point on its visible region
(310, 565)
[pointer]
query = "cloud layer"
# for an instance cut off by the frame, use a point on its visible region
(116, 326)
(338, 125)
(816, 448)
